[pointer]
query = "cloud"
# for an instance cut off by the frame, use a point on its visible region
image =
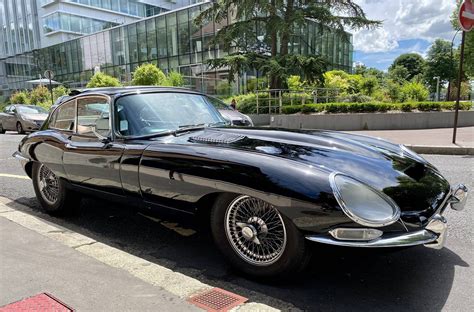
(404, 20)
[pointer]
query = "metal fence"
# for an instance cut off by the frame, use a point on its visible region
(272, 100)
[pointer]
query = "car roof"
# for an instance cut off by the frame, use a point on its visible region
(129, 89)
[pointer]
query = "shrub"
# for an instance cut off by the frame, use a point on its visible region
(429, 106)
(291, 109)
(252, 85)
(100, 79)
(406, 107)
(307, 109)
(175, 79)
(40, 96)
(60, 91)
(148, 75)
(413, 91)
(20, 97)
(224, 88)
(294, 83)
(356, 98)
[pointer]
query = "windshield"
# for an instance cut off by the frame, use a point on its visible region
(31, 110)
(152, 113)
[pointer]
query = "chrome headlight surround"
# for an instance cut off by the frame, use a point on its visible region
(350, 211)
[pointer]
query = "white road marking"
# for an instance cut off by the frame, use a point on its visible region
(176, 283)
(16, 176)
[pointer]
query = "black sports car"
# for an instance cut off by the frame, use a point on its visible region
(268, 192)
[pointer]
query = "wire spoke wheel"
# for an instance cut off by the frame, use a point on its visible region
(48, 185)
(255, 230)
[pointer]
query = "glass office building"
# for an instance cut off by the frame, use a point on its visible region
(170, 40)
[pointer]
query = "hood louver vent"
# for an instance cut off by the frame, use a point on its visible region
(216, 137)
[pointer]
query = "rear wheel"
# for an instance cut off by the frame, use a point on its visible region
(19, 128)
(256, 238)
(52, 193)
(2, 130)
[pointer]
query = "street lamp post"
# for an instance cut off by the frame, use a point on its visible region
(452, 61)
(437, 88)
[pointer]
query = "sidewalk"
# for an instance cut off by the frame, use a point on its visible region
(32, 264)
(429, 141)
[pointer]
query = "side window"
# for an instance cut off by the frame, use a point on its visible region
(64, 116)
(93, 117)
(7, 109)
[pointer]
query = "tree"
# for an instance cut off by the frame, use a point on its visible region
(20, 97)
(148, 75)
(440, 64)
(413, 62)
(103, 80)
(261, 31)
(398, 74)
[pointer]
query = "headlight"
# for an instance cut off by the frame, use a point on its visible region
(249, 120)
(362, 203)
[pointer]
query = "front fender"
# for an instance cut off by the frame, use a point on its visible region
(179, 176)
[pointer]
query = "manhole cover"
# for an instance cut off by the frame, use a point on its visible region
(42, 302)
(217, 299)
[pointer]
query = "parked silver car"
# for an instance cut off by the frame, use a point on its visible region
(22, 118)
(234, 116)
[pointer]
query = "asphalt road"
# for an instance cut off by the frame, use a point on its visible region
(413, 279)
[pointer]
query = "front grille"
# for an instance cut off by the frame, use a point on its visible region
(241, 122)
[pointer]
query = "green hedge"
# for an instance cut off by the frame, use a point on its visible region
(332, 108)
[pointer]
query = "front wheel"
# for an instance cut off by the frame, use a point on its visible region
(2, 130)
(52, 193)
(256, 238)
(19, 128)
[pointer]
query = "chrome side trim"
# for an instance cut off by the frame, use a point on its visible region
(20, 157)
(404, 240)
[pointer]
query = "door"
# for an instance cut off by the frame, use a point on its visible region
(9, 118)
(91, 157)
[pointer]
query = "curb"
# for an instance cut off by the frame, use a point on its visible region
(442, 150)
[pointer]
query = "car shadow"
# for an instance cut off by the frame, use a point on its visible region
(336, 279)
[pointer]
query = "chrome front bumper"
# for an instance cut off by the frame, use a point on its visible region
(432, 236)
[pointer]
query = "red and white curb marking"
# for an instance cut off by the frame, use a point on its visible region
(176, 283)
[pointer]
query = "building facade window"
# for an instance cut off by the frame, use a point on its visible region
(60, 21)
(171, 40)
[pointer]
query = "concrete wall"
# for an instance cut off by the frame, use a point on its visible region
(260, 120)
(372, 121)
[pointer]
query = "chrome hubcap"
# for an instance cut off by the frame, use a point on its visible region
(255, 230)
(48, 184)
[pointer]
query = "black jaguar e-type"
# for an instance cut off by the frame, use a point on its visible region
(267, 192)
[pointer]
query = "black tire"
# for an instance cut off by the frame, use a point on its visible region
(2, 131)
(19, 128)
(294, 256)
(67, 201)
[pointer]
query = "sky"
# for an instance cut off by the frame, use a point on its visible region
(408, 26)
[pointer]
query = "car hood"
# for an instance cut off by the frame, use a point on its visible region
(413, 183)
(41, 117)
(231, 114)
